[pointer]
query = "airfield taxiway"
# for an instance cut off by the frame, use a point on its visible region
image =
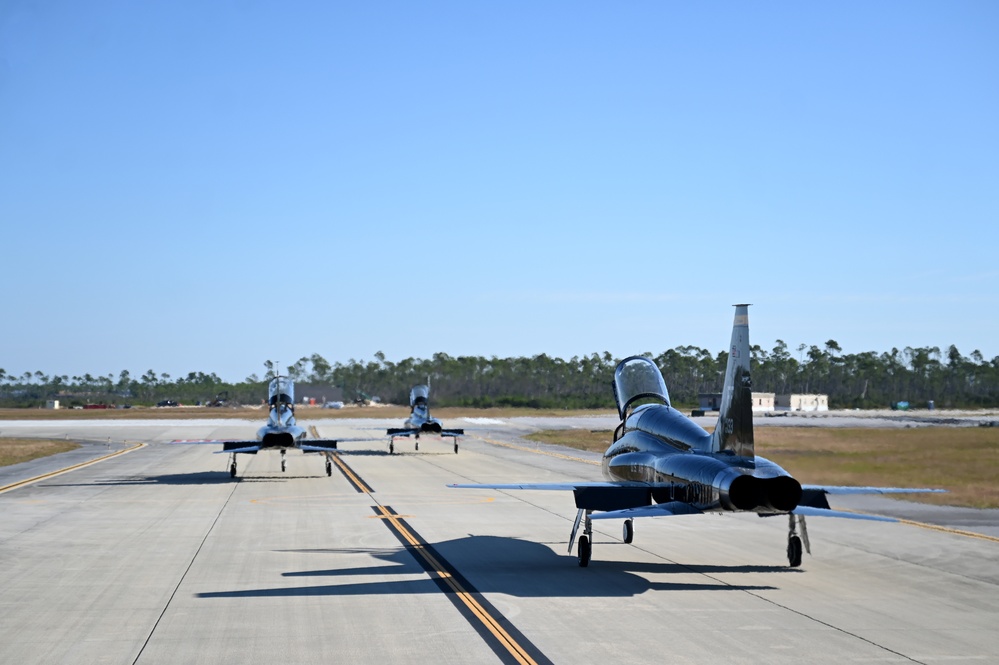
(156, 556)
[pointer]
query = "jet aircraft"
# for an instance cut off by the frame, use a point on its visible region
(280, 433)
(661, 463)
(421, 422)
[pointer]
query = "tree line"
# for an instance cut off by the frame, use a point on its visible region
(861, 380)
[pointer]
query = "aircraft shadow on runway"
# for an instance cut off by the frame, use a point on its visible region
(195, 478)
(505, 565)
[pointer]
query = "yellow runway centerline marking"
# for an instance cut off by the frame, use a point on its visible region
(347, 471)
(470, 602)
(29, 481)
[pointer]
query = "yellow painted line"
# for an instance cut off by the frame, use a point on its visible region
(350, 474)
(387, 516)
(957, 532)
(476, 608)
(541, 452)
(342, 465)
(7, 488)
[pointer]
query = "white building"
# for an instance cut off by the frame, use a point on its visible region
(762, 402)
(793, 402)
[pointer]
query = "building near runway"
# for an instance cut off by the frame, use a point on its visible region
(768, 402)
(801, 402)
(762, 402)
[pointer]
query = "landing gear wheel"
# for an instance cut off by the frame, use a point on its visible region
(417, 445)
(583, 551)
(284, 466)
(629, 532)
(329, 468)
(456, 449)
(232, 471)
(794, 551)
(391, 447)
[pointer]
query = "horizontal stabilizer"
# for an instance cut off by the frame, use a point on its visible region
(452, 432)
(824, 512)
(612, 498)
(401, 431)
(658, 510)
(318, 445)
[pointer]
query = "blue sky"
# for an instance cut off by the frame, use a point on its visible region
(190, 186)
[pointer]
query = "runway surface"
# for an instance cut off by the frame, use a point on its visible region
(157, 556)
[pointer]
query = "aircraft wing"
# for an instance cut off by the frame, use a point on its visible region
(402, 431)
(657, 510)
(190, 441)
(846, 489)
(228, 446)
(825, 512)
(606, 495)
(246, 447)
(318, 445)
(548, 486)
(813, 500)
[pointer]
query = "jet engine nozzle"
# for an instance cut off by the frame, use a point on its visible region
(431, 427)
(745, 492)
(278, 440)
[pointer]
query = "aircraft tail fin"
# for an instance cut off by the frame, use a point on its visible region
(734, 431)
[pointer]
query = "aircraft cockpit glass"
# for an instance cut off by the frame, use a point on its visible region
(281, 390)
(419, 395)
(636, 378)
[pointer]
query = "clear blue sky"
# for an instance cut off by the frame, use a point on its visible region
(202, 186)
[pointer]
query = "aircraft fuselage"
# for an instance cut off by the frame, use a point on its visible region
(281, 431)
(420, 419)
(661, 446)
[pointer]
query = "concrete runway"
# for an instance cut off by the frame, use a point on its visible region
(157, 556)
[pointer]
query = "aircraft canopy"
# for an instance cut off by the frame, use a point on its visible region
(636, 378)
(281, 389)
(419, 395)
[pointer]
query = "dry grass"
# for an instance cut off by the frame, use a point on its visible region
(15, 451)
(963, 460)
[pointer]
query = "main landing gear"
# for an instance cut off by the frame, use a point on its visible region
(585, 549)
(329, 465)
(391, 446)
(455, 444)
(232, 465)
(794, 543)
(284, 464)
